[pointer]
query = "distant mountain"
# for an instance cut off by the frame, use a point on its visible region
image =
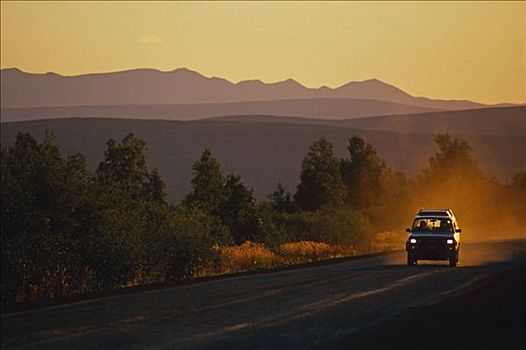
(327, 108)
(262, 152)
(183, 86)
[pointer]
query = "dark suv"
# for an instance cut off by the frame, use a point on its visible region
(435, 235)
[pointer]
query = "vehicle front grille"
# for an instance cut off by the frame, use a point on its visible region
(432, 240)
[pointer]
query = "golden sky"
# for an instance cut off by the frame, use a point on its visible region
(449, 50)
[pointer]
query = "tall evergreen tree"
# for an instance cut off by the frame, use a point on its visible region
(362, 174)
(320, 180)
(208, 190)
(157, 188)
(238, 211)
(281, 199)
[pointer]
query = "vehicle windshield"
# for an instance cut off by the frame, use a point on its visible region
(433, 225)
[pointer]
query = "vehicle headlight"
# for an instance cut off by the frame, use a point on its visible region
(412, 240)
(450, 241)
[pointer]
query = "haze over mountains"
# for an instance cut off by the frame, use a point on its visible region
(260, 131)
(182, 86)
(336, 109)
(265, 149)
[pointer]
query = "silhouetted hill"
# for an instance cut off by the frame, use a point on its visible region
(495, 121)
(183, 86)
(307, 108)
(484, 121)
(261, 152)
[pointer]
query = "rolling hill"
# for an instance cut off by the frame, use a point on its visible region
(261, 152)
(310, 108)
(484, 121)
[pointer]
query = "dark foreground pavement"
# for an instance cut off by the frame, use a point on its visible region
(491, 315)
(375, 302)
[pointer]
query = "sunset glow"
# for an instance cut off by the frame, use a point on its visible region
(447, 50)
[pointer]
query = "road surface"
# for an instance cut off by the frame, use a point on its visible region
(308, 307)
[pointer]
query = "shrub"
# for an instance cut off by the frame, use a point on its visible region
(186, 245)
(246, 256)
(334, 225)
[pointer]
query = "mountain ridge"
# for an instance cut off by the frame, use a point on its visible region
(20, 89)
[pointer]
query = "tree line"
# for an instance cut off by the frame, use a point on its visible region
(66, 230)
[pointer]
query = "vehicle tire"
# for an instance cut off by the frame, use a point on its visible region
(410, 260)
(453, 260)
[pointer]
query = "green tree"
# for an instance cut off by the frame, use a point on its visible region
(362, 174)
(130, 210)
(43, 195)
(452, 159)
(157, 188)
(320, 180)
(208, 190)
(124, 166)
(114, 239)
(332, 224)
(174, 243)
(281, 199)
(64, 230)
(453, 179)
(238, 211)
(188, 246)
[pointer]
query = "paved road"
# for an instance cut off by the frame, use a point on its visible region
(294, 309)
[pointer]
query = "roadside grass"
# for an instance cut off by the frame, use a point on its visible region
(256, 256)
(309, 251)
(248, 256)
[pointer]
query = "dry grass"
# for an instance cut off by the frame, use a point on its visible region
(250, 255)
(247, 256)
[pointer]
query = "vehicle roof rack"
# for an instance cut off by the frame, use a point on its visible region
(435, 212)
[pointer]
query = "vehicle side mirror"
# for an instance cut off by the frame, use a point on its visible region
(407, 230)
(458, 230)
